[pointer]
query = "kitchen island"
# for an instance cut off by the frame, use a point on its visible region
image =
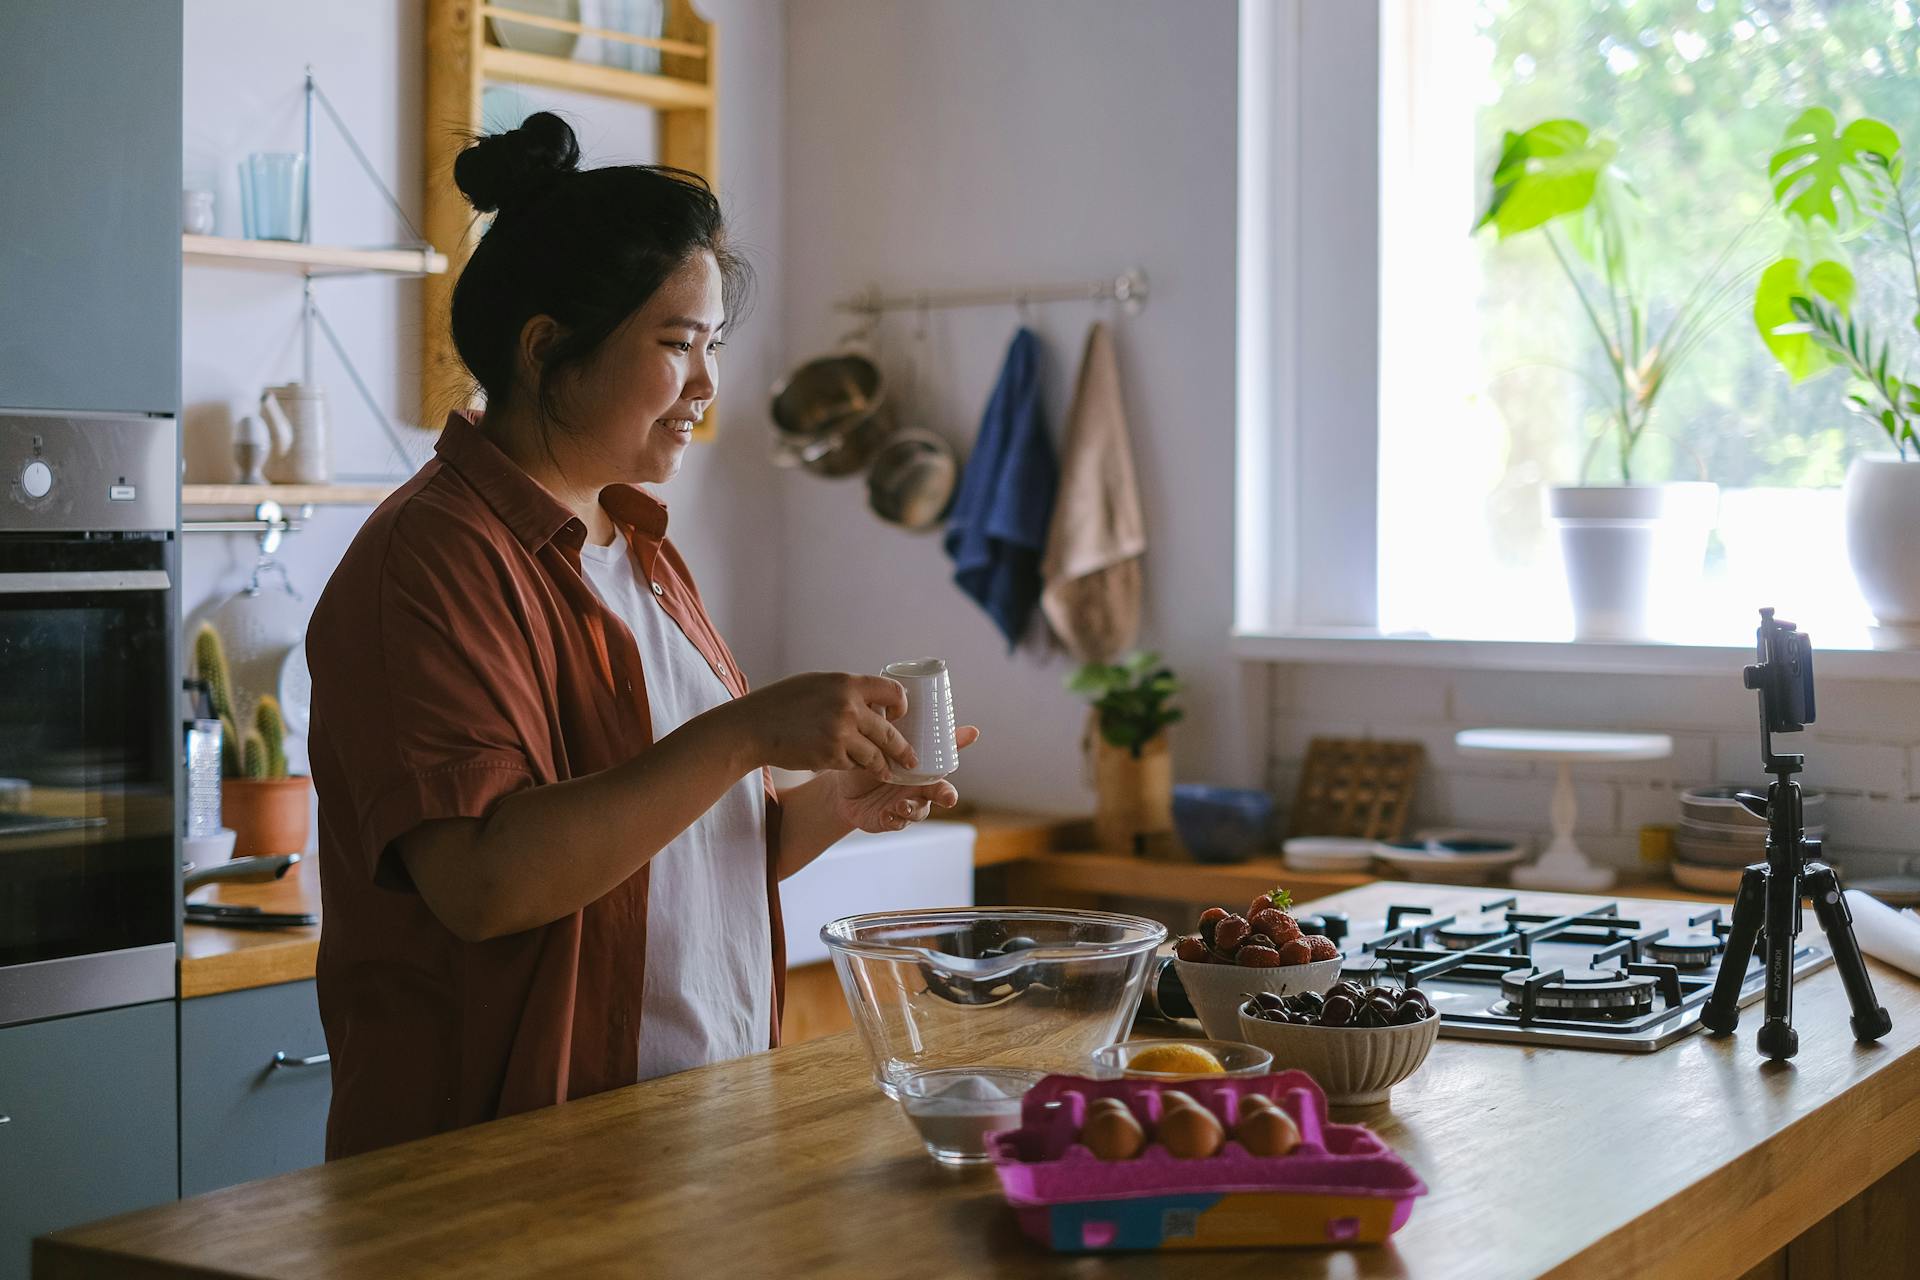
(1694, 1161)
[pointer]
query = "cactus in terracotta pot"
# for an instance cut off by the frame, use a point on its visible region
(270, 731)
(210, 665)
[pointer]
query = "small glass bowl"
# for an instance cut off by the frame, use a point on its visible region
(1114, 1061)
(952, 1122)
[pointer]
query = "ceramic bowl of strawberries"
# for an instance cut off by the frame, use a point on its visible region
(1233, 956)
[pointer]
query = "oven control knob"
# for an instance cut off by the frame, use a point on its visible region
(36, 478)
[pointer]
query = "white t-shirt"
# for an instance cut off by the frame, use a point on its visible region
(709, 982)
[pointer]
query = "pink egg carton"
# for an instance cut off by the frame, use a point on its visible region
(1342, 1184)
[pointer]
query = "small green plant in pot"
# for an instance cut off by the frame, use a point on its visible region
(1126, 746)
(265, 805)
(1560, 180)
(1837, 187)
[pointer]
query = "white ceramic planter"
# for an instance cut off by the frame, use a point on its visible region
(1628, 547)
(1882, 497)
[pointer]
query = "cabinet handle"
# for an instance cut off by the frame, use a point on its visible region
(280, 1059)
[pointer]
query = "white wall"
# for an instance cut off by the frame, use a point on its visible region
(1864, 750)
(998, 142)
(243, 74)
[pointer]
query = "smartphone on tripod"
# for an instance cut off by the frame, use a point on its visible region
(1767, 911)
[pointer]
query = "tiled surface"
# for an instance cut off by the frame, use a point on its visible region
(1864, 749)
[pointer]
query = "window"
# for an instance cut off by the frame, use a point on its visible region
(1490, 385)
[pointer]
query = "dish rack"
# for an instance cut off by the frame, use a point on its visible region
(1341, 1186)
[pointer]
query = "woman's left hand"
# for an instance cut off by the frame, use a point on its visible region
(869, 805)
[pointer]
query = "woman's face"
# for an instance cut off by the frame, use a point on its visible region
(630, 410)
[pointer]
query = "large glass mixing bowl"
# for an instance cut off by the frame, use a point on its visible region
(990, 987)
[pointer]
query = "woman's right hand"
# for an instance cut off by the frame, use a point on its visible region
(829, 720)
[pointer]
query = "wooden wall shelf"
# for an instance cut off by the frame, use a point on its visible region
(308, 259)
(662, 93)
(287, 495)
(463, 58)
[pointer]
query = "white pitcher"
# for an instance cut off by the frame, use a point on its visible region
(297, 416)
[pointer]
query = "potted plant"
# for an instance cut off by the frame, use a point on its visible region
(1834, 186)
(1127, 746)
(267, 808)
(1559, 178)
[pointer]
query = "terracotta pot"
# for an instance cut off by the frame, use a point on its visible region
(1134, 808)
(267, 816)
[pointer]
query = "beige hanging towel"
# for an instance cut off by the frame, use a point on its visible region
(1091, 571)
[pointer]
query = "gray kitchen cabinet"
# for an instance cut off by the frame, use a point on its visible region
(91, 1122)
(90, 205)
(254, 1085)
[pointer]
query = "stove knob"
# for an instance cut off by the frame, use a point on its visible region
(36, 478)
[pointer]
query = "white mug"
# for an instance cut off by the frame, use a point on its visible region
(928, 725)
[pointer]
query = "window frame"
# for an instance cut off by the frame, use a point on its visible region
(1306, 554)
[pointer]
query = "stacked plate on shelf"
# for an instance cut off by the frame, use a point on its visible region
(1717, 838)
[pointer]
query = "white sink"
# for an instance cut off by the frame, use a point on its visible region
(930, 864)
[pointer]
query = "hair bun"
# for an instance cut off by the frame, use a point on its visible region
(502, 170)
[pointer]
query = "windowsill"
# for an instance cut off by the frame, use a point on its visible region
(1358, 647)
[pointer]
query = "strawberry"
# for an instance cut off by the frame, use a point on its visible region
(1276, 924)
(1230, 933)
(1193, 949)
(1321, 947)
(1278, 899)
(1212, 914)
(1296, 951)
(1253, 957)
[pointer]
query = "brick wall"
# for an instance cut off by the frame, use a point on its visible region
(1863, 750)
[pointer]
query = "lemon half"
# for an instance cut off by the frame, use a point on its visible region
(1175, 1059)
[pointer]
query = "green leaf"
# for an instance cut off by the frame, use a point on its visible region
(1138, 664)
(1547, 172)
(1787, 333)
(1095, 679)
(1825, 174)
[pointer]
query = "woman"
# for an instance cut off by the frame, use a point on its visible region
(549, 863)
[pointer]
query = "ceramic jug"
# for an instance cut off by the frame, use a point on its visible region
(297, 416)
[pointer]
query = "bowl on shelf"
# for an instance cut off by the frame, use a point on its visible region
(1328, 854)
(1451, 857)
(1222, 824)
(1355, 1066)
(1026, 988)
(1216, 991)
(1114, 1061)
(1715, 806)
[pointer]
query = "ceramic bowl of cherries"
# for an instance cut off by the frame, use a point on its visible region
(1357, 1041)
(1263, 950)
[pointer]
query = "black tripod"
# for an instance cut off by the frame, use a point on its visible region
(1768, 907)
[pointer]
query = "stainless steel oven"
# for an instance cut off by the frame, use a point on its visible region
(89, 712)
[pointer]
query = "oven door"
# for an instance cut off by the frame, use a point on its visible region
(88, 715)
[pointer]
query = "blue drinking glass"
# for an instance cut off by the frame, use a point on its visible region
(272, 187)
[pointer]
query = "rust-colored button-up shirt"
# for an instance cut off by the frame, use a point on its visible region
(458, 656)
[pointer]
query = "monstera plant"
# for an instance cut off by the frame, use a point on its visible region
(1562, 181)
(1843, 197)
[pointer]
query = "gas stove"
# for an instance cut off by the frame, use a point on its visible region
(1570, 970)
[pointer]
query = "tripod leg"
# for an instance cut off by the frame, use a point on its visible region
(1870, 1021)
(1721, 1013)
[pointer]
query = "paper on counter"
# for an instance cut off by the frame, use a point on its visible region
(1885, 934)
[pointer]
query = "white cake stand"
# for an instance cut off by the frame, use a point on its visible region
(1563, 866)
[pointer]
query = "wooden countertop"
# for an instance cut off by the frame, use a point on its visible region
(213, 960)
(1695, 1161)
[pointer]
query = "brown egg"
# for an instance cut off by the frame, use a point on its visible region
(1264, 1129)
(1111, 1132)
(1188, 1130)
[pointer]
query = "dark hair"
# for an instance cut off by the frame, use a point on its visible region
(585, 246)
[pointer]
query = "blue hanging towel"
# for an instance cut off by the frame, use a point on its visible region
(1005, 505)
